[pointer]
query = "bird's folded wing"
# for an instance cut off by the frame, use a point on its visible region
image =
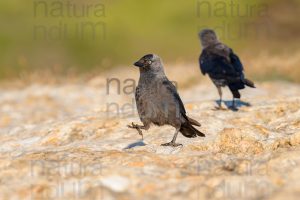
(204, 62)
(236, 63)
(173, 91)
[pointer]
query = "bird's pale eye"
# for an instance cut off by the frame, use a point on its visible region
(149, 62)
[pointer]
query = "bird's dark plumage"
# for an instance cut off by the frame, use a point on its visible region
(158, 101)
(186, 128)
(221, 64)
(222, 67)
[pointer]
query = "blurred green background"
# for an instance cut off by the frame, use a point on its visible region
(58, 36)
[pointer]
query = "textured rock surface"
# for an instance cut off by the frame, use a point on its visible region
(65, 142)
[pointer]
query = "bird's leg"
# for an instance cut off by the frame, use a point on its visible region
(219, 107)
(233, 105)
(172, 143)
(220, 94)
(138, 128)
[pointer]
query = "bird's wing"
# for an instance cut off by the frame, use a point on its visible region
(188, 121)
(173, 91)
(216, 65)
(235, 61)
(205, 62)
(220, 62)
(186, 128)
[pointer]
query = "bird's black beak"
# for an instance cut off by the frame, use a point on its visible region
(138, 64)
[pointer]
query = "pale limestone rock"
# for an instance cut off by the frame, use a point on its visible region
(58, 141)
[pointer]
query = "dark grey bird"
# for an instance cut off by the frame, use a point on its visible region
(159, 103)
(222, 65)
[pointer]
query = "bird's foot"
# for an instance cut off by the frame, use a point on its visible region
(138, 128)
(172, 144)
(233, 108)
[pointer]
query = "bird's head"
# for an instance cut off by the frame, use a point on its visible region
(208, 37)
(150, 62)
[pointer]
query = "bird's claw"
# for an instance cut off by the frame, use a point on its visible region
(172, 144)
(137, 127)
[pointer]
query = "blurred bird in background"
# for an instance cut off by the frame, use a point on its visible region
(159, 103)
(222, 65)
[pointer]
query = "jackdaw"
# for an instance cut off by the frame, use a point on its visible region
(222, 65)
(158, 102)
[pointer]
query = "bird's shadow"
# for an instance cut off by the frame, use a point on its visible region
(138, 143)
(238, 104)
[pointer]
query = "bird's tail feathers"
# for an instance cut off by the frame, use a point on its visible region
(189, 131)
(236, 94)
(193, 122)
(249, 83)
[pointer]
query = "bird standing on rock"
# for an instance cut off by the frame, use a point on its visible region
(158, 102)
(222, 65)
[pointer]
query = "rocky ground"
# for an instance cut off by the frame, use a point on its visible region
(70, 141)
